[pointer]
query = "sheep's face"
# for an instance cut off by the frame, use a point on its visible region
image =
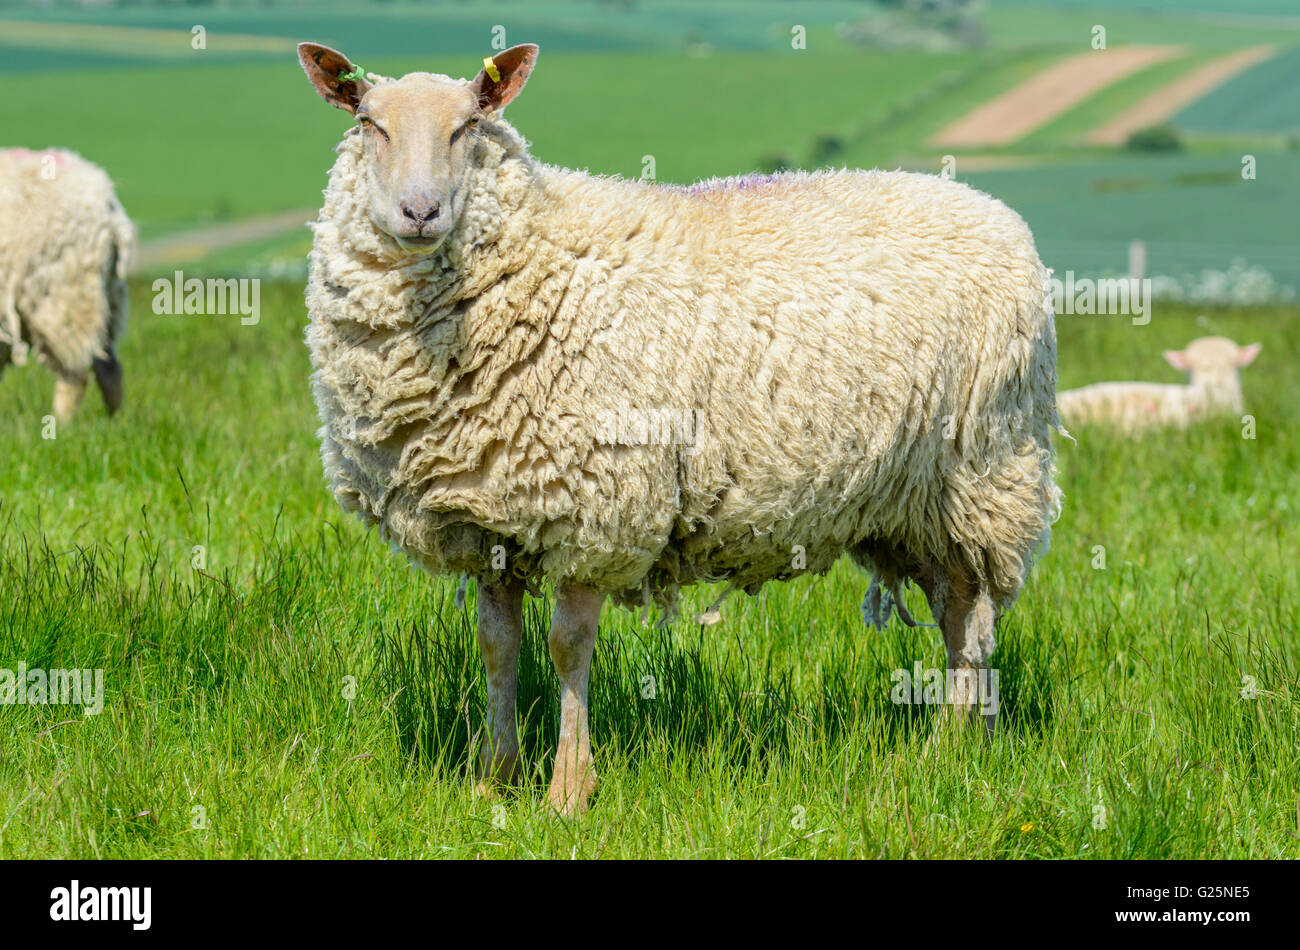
(1213, 362)
(418, 136)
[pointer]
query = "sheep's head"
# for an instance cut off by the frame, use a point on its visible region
(1214, 364)
(419, 134)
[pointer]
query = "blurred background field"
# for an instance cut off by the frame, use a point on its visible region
(1124, 686)
(715, 87)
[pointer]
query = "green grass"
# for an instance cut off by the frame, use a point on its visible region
(771, 734)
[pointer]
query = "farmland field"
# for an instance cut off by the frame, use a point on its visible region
(1084, 215)
(768, 105)
(452, 27)
(174, 165)
(1263, 99)
(1090, 113)
(1224, 24)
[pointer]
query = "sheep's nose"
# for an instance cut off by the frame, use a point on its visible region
(421, 213)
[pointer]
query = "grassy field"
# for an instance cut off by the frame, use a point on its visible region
(226, 731)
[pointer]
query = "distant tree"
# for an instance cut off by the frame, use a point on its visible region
(1155, 138)
(826, 149)
(775, 162)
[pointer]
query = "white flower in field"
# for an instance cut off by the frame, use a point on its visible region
(1240, 284)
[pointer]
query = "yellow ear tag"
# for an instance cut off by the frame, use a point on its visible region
(491, 69)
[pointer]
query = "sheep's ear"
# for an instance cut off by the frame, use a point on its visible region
(324, 68)
(512, 69)
(1178, 360)
(1246, 354)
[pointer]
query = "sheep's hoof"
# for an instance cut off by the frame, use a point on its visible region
(953, 724)
(491, 774)
(571, 789)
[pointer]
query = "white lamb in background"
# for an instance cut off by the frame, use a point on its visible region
(1213, 388)
(65, 248)
(865, 359)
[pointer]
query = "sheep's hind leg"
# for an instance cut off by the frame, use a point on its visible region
(967, 616)
(500, 629)
(68, 392)
(572, 640)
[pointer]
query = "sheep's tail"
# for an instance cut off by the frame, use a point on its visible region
(121, 258)
(117, 265)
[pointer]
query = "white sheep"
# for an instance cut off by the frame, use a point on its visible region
(863, 360)
(65, 247)
(1214, 366)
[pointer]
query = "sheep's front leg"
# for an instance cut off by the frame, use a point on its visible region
(572, 639)
(968, 617)
(500, 628)
(970, 645)
(68, 391)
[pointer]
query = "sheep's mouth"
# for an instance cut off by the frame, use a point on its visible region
(419, 243)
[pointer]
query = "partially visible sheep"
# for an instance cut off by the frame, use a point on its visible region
(1214, 388)
(865, 358)
(65, 246)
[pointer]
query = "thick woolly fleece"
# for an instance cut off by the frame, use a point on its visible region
(867, 358)
(65, 248)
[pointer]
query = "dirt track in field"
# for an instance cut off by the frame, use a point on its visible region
(1011, 116)
(1174, 96)
(192, 245)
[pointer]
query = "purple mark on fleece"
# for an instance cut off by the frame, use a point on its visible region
(737, 183)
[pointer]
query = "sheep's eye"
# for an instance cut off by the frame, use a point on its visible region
(364, 121)
(469, 124)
